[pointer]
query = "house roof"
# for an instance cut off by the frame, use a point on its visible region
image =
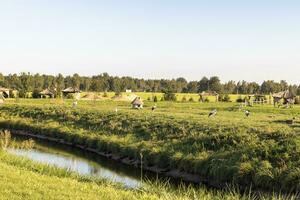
(71, 90)
(47, 92)
(209, 93)
(283, 94)
(137, 101)
(2, 89)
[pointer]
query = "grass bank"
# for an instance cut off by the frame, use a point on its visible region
(24, 179)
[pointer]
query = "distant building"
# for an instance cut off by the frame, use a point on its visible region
(4, 92)
(137, 103)
(205, 94)
(47, 92)
(287, 96)
(71, 90)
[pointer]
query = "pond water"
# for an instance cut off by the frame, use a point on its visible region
(81, 162)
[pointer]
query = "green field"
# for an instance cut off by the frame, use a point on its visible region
(261, 151)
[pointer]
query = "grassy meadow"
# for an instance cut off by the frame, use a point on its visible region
(261, 151)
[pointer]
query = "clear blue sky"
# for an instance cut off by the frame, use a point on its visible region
(234, 39)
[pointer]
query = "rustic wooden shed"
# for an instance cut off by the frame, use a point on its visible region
(72, 90)
(137, 103)
(47, 92)
(287, 96)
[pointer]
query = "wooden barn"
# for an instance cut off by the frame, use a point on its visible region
(137, 103)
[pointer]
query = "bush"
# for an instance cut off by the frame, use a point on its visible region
(240, 99)
(12, 94)
(297, 100)
(226, 98)
(155, 99)
(191, 99)
(22, 94)
(183, 99)
(118, 94)
(206, 100)
(69, 96)
(105, 94)
(170, 96)
(36, 93)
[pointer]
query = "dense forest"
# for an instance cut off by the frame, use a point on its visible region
(26, 82)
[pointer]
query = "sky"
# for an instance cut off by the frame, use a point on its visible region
(234, 39)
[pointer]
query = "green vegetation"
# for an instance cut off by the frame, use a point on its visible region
(23, 179)
(262, 151)
(29, 85)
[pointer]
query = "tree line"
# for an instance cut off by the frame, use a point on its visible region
(26, 82)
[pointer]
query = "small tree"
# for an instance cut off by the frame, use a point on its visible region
(170, 96)
(22, 93)
(240, 99)
(297, 100)
(105, 94)
(226, 98)
(118, 94)
(36, 93)
(155, 99)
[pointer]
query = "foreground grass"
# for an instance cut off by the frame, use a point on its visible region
(19, 182)
(23, 179)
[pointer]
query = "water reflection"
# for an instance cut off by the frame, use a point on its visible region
(102, 168)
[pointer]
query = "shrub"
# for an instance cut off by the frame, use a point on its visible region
(155, 99)
(105, 94)
(170, 96)
(226, 98)
(36, 93)
(118, 94)
(12, 94)
(183, 99)
(69, 96)
(240, 99)
(191, 99)
(22, 93)
(297, 100)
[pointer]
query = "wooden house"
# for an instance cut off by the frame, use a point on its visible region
(137, 103)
